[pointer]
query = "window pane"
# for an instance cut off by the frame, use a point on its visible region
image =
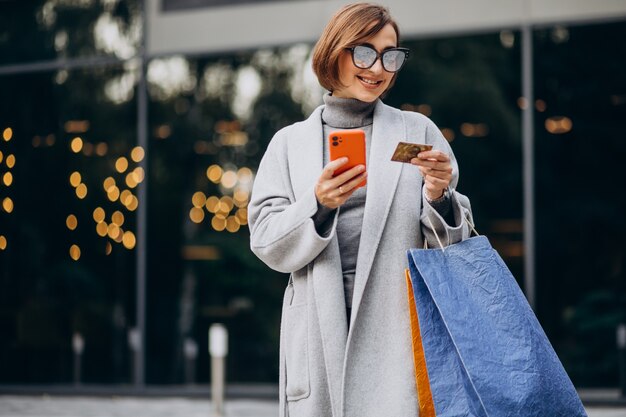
(67, 257)
(56, 29)
(470, 87)
(580, 119)
(210, 122)
(211, 119)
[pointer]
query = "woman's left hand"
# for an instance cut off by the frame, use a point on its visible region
(437, 172)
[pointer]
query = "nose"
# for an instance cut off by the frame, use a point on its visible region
(377, 68)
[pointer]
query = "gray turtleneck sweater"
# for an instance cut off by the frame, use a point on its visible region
(342, 114)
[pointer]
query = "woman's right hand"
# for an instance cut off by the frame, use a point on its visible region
(331, 191)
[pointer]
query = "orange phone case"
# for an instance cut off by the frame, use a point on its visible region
(349, 143)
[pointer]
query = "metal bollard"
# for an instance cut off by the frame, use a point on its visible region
(134, 343)
(190, 350)
(218, 349)
(621, 352)
(78, 345)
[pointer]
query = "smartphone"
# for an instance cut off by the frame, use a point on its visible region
(348, 143)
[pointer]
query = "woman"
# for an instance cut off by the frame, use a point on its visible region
(345, 348)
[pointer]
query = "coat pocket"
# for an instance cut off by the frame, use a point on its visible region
(297, 353)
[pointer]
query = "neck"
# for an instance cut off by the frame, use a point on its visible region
(345, 113)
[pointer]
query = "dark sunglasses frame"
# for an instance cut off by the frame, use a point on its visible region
(380, 56)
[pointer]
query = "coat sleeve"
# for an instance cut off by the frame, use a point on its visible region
(282, 231)
(433, 224)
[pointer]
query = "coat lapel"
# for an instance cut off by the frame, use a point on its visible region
(305, 150)
(306, 161)
(382, 179)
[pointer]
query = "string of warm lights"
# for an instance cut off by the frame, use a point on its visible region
(7, 180)
(229, 211)
(554, 124)
(116, 192)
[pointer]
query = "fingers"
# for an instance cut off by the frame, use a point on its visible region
(436, 170)
(431, 159)
(346, 176)
(352, 185)
(332, 191)
(332, 166)
(436, 184)
(435, 187)
(434, 155)
(444, 174)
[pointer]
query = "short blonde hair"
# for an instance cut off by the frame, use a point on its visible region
(350, 26)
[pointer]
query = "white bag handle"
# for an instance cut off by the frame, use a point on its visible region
(437, 236)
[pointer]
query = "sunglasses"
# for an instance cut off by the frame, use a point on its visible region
(393, 59)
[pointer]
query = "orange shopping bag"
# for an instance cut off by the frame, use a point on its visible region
(427, 407)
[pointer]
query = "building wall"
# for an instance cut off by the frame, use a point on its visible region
(74, 102)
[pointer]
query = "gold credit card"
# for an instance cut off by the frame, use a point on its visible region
(406, 151)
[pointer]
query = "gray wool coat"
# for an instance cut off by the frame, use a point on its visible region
(327, 367)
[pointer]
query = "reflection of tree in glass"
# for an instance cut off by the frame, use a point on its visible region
(47, 29)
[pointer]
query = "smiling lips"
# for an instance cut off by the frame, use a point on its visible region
(371, 83)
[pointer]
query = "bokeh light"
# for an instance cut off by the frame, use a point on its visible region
(87, 149)
(129, 240)
(75, 252)
(226, 204)
(81, 191)
(7, 179)
(98, 215)
(114, 231)
(558, 125)
(133, 204)
(229, 179)
(102, 148)
(10, 161)
(121, 165)
(240, 197)
(196, 215)
(212, 204)
(75, 179)
(113, 194)
(232, 224)
(126, 197)
(71, 222)
(120, 236)
(214, 173)
(198, 199)
(76, 145)
(102, 229)
(131, 179)
(218, 222)
(7, 204)
(7, 134)
(245, 175)
(140, 174)
(118, 218)
(137, 154)
(108, 183)
(242, 215)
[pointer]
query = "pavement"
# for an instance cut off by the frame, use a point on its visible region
(46, 406)
(81, 406)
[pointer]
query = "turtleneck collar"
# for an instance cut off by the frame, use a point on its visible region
(346, 113)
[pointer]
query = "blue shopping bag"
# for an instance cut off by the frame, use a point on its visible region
(486, 354)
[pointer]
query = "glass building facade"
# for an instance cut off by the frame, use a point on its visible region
(79, 190)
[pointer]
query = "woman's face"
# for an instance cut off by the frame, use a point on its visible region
(366, 84)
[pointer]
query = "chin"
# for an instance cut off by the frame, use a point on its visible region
(367, 96)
